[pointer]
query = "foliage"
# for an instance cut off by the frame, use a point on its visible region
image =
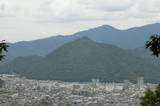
(154, 45)
(42, 104)
(151, 98)
(1, 83)
(3, 47)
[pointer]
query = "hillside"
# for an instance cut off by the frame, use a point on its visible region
(39, 47)
(128, 39)
(82, 60)
(19, 65)
(146, 54)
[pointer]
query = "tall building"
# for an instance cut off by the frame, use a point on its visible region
(95, 82)
(140, 82)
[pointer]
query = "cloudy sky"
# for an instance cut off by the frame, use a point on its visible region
(34, 19)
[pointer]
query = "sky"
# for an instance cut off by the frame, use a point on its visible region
(24, 20)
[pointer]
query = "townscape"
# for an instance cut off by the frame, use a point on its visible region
(79, 52)
(18, 91)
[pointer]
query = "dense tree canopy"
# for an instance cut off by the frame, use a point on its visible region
(151, 98)
(3, 47)
(1, 83)
(154, 45)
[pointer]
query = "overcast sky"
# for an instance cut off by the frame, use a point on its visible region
(33, 19)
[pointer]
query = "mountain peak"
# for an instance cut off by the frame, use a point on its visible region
(106, 27)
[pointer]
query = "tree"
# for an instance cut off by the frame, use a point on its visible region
(1, 83)
(151, 98)
(3, 47)
(41, 104)
(154, 45)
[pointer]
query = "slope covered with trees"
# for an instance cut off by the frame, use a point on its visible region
(82, 60)
(3, 48)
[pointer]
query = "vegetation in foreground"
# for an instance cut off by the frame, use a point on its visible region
(152, 98)
(3, 47)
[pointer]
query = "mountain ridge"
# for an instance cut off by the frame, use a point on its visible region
(127, 39)
(84, 59)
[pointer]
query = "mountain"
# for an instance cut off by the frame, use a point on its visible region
(128, 39)
(19, 65)
(146, 54)
(82, 60)
(39, 47)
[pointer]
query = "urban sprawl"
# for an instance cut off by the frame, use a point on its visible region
(18, 91)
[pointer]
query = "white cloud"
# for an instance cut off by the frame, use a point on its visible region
(30, 19)
(151, 6)
(4, 9)
(85, 10)
(113, 5)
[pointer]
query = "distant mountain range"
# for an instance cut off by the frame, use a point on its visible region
(127, 39)
(83, 59)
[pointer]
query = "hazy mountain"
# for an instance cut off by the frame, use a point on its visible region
(82, 60)
(19, 65)
(128, 39)
(39, 47)
(146, 54)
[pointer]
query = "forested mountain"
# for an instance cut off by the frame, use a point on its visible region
(82, 60)
(146, 54)
(128, 39)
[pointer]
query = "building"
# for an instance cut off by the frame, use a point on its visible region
(140, 82)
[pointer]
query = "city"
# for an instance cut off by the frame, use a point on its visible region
(18, 91)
